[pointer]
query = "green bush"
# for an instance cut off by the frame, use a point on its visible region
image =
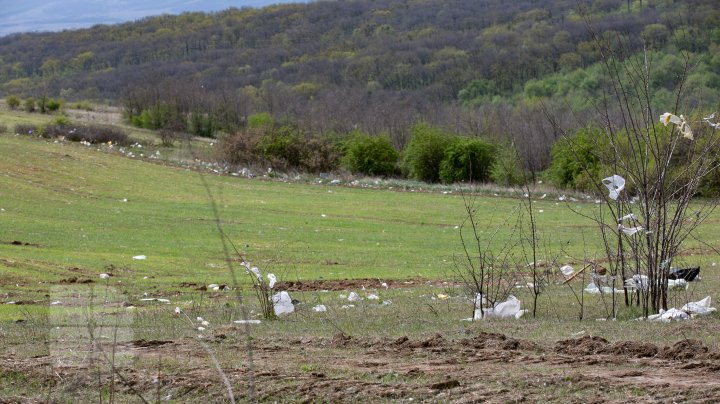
(12, 101)
(425, 152)
(370, 155)
(201, 124)
(506, 170)
(282, 146)
(467, 160)
(576, 160)
(261, 120)
(54, 105)
(29, 105)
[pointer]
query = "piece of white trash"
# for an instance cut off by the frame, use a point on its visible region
(271, 280)
(104, 276)
(246, 321)
(567, 270)
(700, 307)
(629, 230)
(354, 297)
(320, 308)
(615, 185)
(507, 309)
(373, 296)
(282, 303)
(139, 257)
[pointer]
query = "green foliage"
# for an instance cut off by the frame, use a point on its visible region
(506, 169)
(29, 104)
(370, 155)
(201, 124)
(425, 152)
(12, 101)
(576, 160)
(467, 160)
(61, 120)
(54, 104)
(261, 120)
(159, 116)
(282, 146)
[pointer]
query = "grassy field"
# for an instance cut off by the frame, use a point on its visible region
(72, 211)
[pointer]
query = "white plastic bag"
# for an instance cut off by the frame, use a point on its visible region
(507, 309)
(282, 303)
(701, 307)
(615, 185)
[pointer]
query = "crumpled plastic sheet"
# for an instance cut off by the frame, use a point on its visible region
(567, 270)
(271, 280)
(593, 289)
(615, 185)
(510, 308)
(689, 310)
(282, 303)
(629, 230)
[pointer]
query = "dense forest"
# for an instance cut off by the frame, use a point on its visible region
(490, 68)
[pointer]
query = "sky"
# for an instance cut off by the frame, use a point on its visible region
(57, 15)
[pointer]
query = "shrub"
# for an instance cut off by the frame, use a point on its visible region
(240, 148)
(54, 105)
(370, 155)
(319, 155)
(29, 105)
(282, 146)
(506, 170)
(201, 124)
(25, 129)
(576, 160)
(12, 101)
(425, 152)
(467, 160)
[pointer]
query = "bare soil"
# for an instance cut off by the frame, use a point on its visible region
(479, 367)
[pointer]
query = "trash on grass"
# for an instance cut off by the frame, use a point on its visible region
(689, 274)
(246, 321)
(700, 307)
(320, 308)
(373, 296)
(507, 309)
(282, 303)
(139, 257)
(104, 276)
(155, 299)
(629, 230)
(567, 270)
(271, 280)
(354, 297)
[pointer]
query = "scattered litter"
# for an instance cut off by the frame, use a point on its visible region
(615, 185)
(282, 303)
(507, 309)
(385, 285)
(386, 302)
(139, 257)
(178, 310)
(689, 274)
(354, 297)
(155, 299)
(271, 280)
(442, 296)
(124, 200)
(567, 270)
(672, 314)
(637, 282)
(347, 306)
(678, 284)
(320, 308)
(593, 289)
(323, 215)
(342, 296)
(373, 296)
(629, 216)
(55, 303)
(577, 334)
(104, 276)
(629, 230)
(700, 307)
(246, 321)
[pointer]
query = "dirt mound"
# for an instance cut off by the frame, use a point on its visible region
(685, 349)
(340, 339)
(633, 349)
(143, 343)
(436, 340)
(586, 345)
(488, 340)
(75, 279)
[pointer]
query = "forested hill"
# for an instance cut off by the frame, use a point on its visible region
(363, 59)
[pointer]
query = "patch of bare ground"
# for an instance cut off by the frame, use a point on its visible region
(350, 284)
(486, 367)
